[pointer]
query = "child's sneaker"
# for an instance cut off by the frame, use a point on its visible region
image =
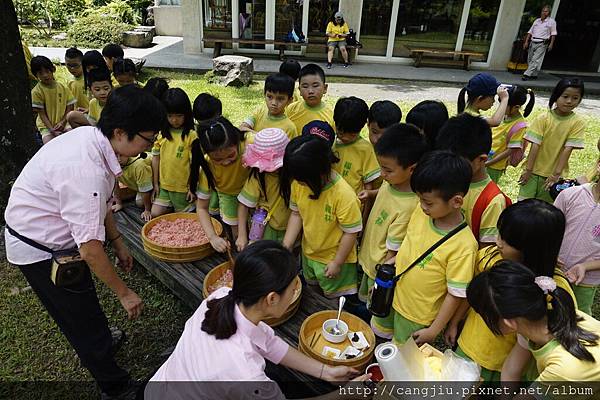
(328, 65)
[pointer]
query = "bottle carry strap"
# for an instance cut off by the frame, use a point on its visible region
(271, 211)
(431, 249)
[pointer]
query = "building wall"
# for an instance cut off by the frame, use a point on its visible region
(507, 28)
(168, 20)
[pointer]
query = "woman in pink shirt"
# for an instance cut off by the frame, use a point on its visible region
(59, 202)
(221, 353)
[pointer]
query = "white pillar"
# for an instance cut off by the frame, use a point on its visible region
(463, 25)
(392, 34)
(505, 32)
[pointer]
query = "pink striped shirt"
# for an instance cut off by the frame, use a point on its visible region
(60, 199)
(581, 242)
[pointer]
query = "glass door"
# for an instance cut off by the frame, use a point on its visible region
(252, 20)
(375, 26)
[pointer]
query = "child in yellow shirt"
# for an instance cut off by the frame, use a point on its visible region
(507, 138)
(217, 166)
(519, 240)
(553, 136)
(481, 91)
(111, 52)
(471, 138)
(279, 90)
(137, 176)
(383, 113)
(292, 68)
(172, 153)
(358, 164)
(510, 298)
(429, 116)
(100, 87)
(327, 210)
(73, 59)
(51, 100)
(427, 296)
(124, 71)
(311, 107)
(398, 151)
(261, 191)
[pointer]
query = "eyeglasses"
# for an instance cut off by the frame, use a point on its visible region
(151, 141)
(73, 65)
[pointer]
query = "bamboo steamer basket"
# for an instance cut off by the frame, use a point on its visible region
(220, 269)
(177, 254)
(312, 327)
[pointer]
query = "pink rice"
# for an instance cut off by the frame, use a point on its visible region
(182, 232)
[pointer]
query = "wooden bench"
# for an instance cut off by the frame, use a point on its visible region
(446, 56)
(280, 45)
(185, 281)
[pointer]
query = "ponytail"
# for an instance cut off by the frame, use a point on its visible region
(562, 322)
(530, 103)
(460, 105)
(219, 319)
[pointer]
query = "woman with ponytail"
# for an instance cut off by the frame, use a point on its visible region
(564, 342)
(226, 339)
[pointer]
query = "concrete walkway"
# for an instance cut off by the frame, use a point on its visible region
(167, 52)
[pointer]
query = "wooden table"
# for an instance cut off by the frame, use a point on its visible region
(418, 54)
(185, 281)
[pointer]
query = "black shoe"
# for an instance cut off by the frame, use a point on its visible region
(328, 65)
(525, 77)
(129, 392)
(118, 338)
(346, 65)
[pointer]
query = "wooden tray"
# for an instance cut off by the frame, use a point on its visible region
(213, 275)
(312, 327)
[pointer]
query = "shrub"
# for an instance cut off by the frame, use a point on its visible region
(117, 9)
(96, 30)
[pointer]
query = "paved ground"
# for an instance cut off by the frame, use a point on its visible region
(167, 52)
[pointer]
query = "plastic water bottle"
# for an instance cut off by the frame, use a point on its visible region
(257, 227)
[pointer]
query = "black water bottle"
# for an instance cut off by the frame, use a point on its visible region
(382, 294)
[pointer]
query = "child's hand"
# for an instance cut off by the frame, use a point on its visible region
(146, 215)
(450, 334)
(524, 178)
(502, 93)
(332, 270)
(190, 197)
(241, 243)
(363, 195)
(551, 180)
(59, 127)
(576, 274)
(155, 191)
(219, 244)
(425, 335)
(117, 206)
(82, 110)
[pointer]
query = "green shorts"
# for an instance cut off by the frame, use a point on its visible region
(344, 284)
(382, 326)
(534, 189)
(495, 174)
(213, 204)
(46, 132)
(175, 200)
(487, 375)
(404, 328)
(585, 297)
(228, 205)
(273, 234)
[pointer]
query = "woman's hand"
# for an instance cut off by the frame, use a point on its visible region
(524, 178)
(450, 334)
(338, 374)
(117, 206)
(576, 274)
(132, 303)
(219, 244)
(124, 259)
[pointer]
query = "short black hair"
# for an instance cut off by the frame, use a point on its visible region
(350, 114)
(466, 135)
(112, 50)
(402, 142)
(429, 116)
(157, 86)
(291, 68)
(74, 52)
(134, 110)
(98, 75)
(444, 172)
(124, 66)
(206, 107)
(280, 83)
(41, 62)
(385, 113)
(312, 69)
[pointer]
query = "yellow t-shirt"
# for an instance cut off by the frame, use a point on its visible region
(229, 179)
(175, 158)
(252, 196)
(94, 111)
(28, 56)
(301, 114)
(553, 133)
(476, 340)
(326, 219)
(77, 87)
(472, 111)
(338, 30)
(488, 231)
(261, 119)
(137, 175)
(386, 227)
(421, 291)
(54, 99)
(358, 164)
(499, 135)
(556, 364)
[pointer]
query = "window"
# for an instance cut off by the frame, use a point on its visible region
(375, 26)
(320, 13)
(427, 23)
(288, 15)
(252, 22)
(480, 25)
(217, 18)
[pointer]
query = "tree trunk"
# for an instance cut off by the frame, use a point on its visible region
(17, 137)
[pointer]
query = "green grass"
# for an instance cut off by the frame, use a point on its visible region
(31, 346)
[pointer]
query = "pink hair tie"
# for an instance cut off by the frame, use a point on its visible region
(547, 284)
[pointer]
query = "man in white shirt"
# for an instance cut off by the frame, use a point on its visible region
(541, 35)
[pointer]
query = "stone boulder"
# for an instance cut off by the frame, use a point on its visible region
(233, 70)
(150, 29)
(137, 39)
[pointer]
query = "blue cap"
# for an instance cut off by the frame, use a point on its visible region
(320, 129)
(482, 85)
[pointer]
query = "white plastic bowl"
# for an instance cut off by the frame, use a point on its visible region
(343, 327)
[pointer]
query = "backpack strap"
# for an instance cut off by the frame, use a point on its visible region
(514, 129)
(490, 191)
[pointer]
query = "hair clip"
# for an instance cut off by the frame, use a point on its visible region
(547, 284)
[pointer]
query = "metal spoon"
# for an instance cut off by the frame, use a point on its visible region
(336, 329)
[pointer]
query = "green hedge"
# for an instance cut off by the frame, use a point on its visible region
(96, 31)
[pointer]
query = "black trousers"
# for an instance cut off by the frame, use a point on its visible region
(78, 314)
